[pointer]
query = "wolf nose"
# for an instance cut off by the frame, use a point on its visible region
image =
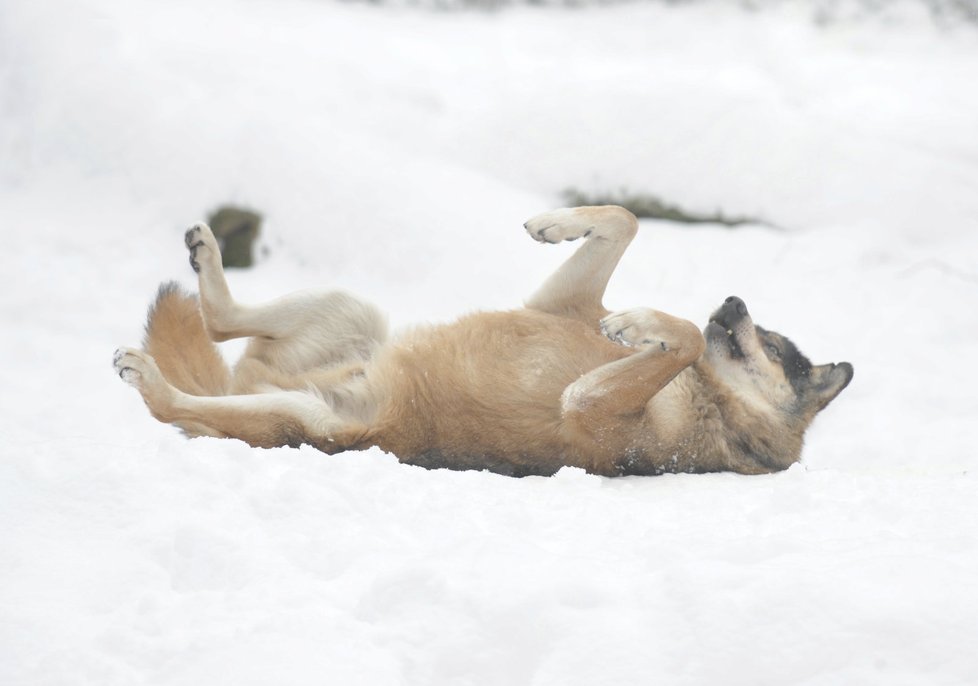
(736, 304)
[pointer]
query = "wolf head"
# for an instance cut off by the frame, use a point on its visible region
(766, 369)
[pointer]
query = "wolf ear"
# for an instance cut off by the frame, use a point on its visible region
(827, 381)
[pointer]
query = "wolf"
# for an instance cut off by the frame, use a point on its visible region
(561, 382)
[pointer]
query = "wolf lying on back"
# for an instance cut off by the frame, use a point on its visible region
(561, 382)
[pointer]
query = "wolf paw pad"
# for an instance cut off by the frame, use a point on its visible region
(135, 367)
(139, 370)
(200, 240)
(559, 225)
(639, 327)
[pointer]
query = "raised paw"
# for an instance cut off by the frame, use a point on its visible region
(139, 370)
(202, 245)
(135, 367)
(638, 327)
(566, 224)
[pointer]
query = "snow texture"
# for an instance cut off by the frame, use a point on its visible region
(396, 153)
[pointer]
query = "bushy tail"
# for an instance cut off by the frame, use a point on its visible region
(176, 339)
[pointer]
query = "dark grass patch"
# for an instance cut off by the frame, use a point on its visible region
(236, 230)
(646, 205)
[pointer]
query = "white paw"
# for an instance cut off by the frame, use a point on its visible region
(202, 245)
(638, 327)
(137, 368)
(559, 225)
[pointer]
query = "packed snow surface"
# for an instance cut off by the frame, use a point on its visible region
(396, 153)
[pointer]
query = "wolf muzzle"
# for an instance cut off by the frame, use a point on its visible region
(731, 312)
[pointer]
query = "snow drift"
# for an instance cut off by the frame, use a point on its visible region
(423, 141)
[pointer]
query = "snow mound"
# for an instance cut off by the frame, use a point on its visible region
(396, 154)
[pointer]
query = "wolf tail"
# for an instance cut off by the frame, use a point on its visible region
(176, 339)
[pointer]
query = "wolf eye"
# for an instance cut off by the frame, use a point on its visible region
(773, 350)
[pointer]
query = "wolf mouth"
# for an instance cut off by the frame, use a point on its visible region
(717, 330)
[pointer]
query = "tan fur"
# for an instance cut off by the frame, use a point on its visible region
(563, 382)
(176, 339)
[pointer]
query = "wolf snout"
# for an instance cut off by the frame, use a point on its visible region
(736, 304)
(733, 310)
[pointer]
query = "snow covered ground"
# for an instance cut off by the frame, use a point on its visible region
(395, 153)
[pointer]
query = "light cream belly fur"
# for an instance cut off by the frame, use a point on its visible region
(487, 389)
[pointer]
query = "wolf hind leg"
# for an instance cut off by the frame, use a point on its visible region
(577, 288)
(293, 333)
(217, 307)
(310, 329)
(266, 420)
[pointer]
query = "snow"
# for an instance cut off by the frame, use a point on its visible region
(396, 153)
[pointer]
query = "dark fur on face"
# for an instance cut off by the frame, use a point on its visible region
(745, 353)
(782, 350)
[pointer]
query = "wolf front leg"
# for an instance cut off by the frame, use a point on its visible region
(577, 288)
(603, 399)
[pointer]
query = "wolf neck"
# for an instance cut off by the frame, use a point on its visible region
(744, 438)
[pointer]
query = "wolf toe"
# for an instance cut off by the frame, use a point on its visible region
(559, 225)
(202, 245)
(636, 327)
(139, 370)
(127, 363)
(127, 369)
(198, 234)
(136, 368)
